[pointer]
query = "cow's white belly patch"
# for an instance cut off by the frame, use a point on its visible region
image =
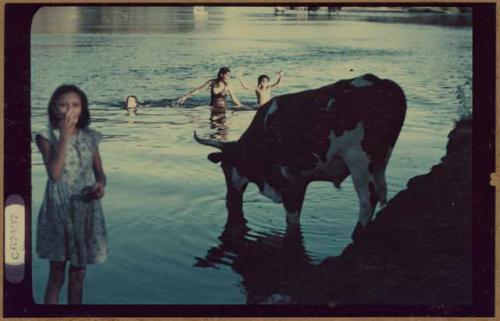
(346, 141)
(328, 169)
(271, 193)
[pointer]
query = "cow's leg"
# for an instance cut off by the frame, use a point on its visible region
(236, 186)
(292, 202)
(381, 186)
(364, 183)
(234, 204)
(380, 182)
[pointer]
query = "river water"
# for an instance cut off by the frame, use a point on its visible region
(165, 203)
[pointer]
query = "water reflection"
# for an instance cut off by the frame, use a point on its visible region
(119, 19)
(218, 122)
(183, 19)
(452, 20)
(425, 18)
(266, 262)
(200, 15)
(151, 158)
(131, 119)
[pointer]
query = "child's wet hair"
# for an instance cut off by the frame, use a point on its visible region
(128, 98)
(262, 77)
(222, 72)
(84, 119)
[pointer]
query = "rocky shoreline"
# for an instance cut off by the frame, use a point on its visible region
(418, 250)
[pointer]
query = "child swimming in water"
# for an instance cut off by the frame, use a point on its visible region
(219, 89)
(131, 105)
(263, 89)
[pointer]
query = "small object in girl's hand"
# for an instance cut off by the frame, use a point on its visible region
(88, 193)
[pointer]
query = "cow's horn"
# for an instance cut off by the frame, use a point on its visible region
(209, 142)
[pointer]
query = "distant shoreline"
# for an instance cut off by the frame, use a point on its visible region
(372, 8)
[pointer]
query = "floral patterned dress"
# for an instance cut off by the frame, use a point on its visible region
(70, 227)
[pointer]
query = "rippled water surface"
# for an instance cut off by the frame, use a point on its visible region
(165, 203)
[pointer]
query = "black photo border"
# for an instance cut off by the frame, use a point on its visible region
(18, 299)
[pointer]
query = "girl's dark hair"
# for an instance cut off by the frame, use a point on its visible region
(222, 71)
(261, 77)
(84, 119)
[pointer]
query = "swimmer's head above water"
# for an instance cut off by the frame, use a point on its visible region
(131, 104)
(224, 75)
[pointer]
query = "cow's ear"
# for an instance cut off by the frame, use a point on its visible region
(215, 157)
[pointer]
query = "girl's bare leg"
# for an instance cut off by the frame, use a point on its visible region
(75, 285)
(55, 283)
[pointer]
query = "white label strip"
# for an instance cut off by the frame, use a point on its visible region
(14, 243)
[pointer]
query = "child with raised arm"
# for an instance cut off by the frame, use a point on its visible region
(263, 89)
(71, 224)
(219, 89)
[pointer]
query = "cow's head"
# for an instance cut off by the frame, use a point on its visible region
(241, 168)
(231, 161)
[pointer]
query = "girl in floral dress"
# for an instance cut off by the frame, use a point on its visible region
(71, 224)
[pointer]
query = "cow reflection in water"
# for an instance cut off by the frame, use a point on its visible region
(267, 263)
(218, 122)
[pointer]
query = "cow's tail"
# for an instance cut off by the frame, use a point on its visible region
(393, 111)
(396, 107)
(389, 118)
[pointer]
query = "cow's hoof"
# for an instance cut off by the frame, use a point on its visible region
(358, 232)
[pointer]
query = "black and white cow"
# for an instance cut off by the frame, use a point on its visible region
(349, 127)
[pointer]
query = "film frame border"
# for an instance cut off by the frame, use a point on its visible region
(17, 176)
